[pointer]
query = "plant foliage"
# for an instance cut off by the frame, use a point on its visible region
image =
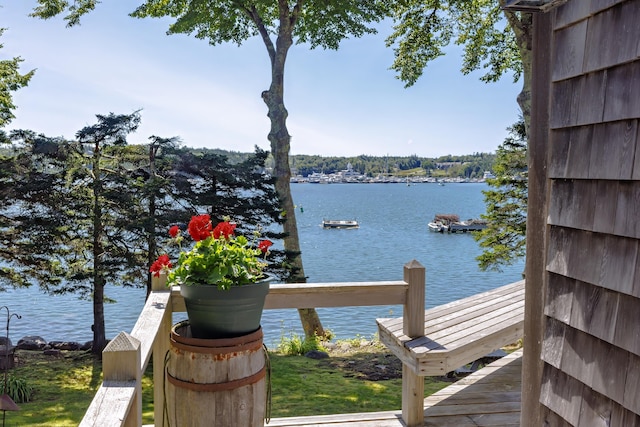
(503, 241)
(18, 389)
(10, 81)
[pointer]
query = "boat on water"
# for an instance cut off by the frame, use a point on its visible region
(450, 223)
(436, 226)
(468, 225)
(340, 223)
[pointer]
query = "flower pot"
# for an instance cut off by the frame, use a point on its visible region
(215, 313)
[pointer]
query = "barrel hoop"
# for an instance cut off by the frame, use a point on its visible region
(249, 346)
(218, 342)
(226, 386)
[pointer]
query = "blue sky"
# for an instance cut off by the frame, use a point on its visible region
(341, 103)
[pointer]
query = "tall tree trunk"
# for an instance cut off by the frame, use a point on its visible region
(151, 219)
(522, 26)
(99, 334)
(280, 146)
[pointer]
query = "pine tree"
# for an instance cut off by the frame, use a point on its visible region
(503, 240)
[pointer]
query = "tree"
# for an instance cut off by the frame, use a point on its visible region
(504, 238)
(279, 24)
(10, 81)
(107, 249)
(64, 214)
(32, 200)
(494, 39)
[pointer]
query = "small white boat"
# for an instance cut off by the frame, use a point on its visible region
(339, 223)
(437, 227)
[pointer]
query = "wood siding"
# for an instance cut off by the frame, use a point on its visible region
(591, 345)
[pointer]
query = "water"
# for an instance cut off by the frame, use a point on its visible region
(393, 230)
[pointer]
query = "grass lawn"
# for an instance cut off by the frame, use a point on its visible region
(352, 379)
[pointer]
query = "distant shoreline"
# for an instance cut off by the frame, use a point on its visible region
(328, 179)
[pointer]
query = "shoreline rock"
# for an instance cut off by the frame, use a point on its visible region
(37, 343)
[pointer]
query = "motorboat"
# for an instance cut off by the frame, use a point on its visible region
(437, 227)
(340, 223)
(450, 223)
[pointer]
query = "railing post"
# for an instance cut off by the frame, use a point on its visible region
(413, 326)
(160, 348)
(121, 362)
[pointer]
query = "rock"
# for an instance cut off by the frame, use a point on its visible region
(65, 345)
(52, 352)
(4, 341)
(316, 354)
(330, 345)
(31, 343)
(87, 346)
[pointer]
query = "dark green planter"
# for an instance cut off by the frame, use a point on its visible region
(215, 313)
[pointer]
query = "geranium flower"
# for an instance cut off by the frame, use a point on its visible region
(264, 246)
(224, 229)
(218, 257)
(199, 227)
(162, 263)
(174, 231)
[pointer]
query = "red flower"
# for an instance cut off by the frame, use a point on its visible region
(200, 227)
(264, 245)
(174, 231)
(224, 229)
(161, 263)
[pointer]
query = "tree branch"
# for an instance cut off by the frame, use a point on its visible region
(262, 29)
(296, 13)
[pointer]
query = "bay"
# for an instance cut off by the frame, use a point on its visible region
(393, 231)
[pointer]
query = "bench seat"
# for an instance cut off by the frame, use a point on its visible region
(459, 332)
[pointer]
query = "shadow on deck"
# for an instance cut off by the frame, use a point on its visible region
(487, 397)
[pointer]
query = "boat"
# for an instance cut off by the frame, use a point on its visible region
(450, 223)
(469, 225)
(437, 226)
(340, 223)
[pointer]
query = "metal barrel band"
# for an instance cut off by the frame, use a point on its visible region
(250, 346)
(226, 386)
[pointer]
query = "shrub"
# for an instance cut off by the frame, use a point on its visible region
(297, 346)
(17, 389)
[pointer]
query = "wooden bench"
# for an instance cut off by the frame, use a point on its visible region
(453, 335)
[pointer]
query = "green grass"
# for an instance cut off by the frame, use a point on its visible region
(63, 386)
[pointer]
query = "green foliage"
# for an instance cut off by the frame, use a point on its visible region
(294, 345)
(319, 25)
(18, 389)
(423, 28)
(225, 260)
(10, 81)
(468, 166)
(503, 241)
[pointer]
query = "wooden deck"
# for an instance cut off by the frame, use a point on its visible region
(487, 397)
(459, 332)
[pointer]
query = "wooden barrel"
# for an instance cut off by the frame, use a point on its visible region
(215, 382)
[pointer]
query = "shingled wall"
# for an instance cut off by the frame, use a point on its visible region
(591, 345)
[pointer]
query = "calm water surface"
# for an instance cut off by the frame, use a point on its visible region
(393, 231)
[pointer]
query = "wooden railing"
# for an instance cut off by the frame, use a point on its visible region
(118, 401)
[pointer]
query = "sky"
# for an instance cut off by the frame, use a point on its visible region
(341, 103)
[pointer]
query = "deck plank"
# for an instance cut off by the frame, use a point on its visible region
(488, 397)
